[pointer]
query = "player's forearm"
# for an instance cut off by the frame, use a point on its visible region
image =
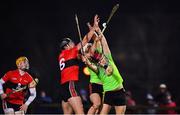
(1, 86)
(88, 37)
(32, 96)
(93, 48)
(104, 42)
(96, 45)
(91, 66)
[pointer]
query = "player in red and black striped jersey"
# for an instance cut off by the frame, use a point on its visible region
(69, 72)
(17, 82)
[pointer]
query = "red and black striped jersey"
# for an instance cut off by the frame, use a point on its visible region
(69, 69)
(13, 81)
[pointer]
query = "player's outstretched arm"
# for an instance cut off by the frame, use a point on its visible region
(89, 64)
(89, 35)
(104, 43)
(32, 90)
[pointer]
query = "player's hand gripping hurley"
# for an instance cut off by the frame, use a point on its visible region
(36, 80)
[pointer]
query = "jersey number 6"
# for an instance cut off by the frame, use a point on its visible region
(61, 64)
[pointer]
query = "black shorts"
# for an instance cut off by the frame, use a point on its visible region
(96, 88)
(115, 98)
(69, 90)
(6, 104)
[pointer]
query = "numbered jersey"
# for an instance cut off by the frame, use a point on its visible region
(68, 63)
(15, 81)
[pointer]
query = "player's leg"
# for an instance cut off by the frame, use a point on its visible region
(12, 109)
(9, 111)
(67, 109)
(107, 103)
(6, 109)
(65, 95)
(75, 100)
(120, 109)
(120, 104)
(117, 99)
(114, 98)
(95, 98)
(105, 109)
(96, 103)
(76, 104)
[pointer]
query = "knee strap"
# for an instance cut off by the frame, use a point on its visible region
(9, 111)
(95, 106)
(19, 113)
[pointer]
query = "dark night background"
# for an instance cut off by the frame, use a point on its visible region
(143, 37)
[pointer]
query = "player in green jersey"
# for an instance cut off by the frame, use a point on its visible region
(95, 86)
(111, 79)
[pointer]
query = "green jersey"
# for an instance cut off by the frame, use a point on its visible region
(113, 81)
(93, 76)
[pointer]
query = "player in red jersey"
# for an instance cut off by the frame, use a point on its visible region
(69, 70)
(17, 82)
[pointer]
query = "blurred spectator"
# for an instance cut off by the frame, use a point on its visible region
(130, 102)
(44, 98)
(42, 101)
(169, 104)
(163, 99)
(84, 94)
(160, 98)
(151, 104)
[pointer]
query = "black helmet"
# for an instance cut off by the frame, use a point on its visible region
(64, 42)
